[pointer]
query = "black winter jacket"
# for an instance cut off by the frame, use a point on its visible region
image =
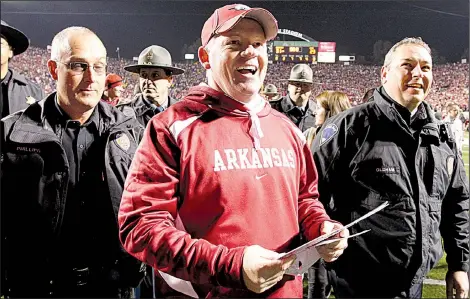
(34, 182)
(370, 154)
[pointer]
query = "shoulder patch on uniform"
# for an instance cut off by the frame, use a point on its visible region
(450, 165)
(123, 142)
(328, 133)
(30, 100)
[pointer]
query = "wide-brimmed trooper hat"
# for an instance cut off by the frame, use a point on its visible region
(270, 89)
(17, 40)
(301, 73)
(154, 57)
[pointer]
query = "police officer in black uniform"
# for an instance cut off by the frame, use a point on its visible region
(296, 105)
(392, 149)
(156, 73)
(64, 161)
(17, 91)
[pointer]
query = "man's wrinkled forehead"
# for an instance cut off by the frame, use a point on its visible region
(412, 52)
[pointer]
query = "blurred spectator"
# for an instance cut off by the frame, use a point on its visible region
(453, 118)
(113, 89)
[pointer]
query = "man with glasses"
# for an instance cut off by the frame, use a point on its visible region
(17, 91)
(156, 73)
(64, 162)
(296, 104)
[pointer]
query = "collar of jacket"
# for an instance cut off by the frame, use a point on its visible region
(58, 118)
(18, 77)
(391, 109)
(287, 105)
(33, 126)
(6, 80)
(141, 107)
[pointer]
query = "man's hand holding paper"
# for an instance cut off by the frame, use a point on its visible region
(262, 268)
(331, 251)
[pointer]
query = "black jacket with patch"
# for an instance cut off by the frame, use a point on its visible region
(34, 182)
(22, 92)
(140, 110)
(303, 121)
(370, 154)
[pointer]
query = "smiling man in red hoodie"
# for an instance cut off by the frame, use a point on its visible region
(221, 183)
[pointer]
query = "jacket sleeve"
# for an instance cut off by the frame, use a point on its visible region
(326, 149)
(455, 218)
(311, 211)
(148, 211)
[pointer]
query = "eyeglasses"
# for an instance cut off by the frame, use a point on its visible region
(79, 67)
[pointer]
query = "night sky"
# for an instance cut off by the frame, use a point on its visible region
(354, 25)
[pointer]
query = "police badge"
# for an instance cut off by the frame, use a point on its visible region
(123, 142)
(30, 100)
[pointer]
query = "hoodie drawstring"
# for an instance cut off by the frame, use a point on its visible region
(255, 130)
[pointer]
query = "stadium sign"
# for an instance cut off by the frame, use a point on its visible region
(294, 34)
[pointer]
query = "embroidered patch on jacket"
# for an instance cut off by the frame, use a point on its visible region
(123, 142)
(30, 100)
(26, 149)
(450, 165)
(328, 133)
(388, 170)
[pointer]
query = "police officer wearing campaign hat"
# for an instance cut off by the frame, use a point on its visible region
(156, 72)
(17, 91)
(296, 104)
(270, 92)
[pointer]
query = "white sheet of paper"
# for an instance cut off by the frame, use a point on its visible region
(180, 285)
(307, 254)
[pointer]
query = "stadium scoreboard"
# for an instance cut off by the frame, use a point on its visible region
(292, 52)
(295, 54)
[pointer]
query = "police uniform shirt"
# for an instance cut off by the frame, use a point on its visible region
(4, 105)
(154, 108)
(85, 218)
(297, 111)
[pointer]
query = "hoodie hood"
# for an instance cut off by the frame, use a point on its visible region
(224, 104)
(219, 101)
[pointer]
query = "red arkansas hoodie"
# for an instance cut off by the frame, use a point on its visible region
(235, 175)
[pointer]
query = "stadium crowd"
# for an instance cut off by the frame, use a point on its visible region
(450, 80)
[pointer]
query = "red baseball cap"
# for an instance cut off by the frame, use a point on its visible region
(225, 18)
(113, 80)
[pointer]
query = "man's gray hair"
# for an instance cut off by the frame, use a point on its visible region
(406, 41)
(60, 43)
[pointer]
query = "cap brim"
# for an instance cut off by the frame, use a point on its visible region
(260, 15)
(300, 80)
(16, 39)
(135, 68)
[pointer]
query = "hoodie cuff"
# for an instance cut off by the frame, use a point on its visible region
(230, 272)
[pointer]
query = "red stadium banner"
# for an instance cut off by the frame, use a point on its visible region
(326, 47)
